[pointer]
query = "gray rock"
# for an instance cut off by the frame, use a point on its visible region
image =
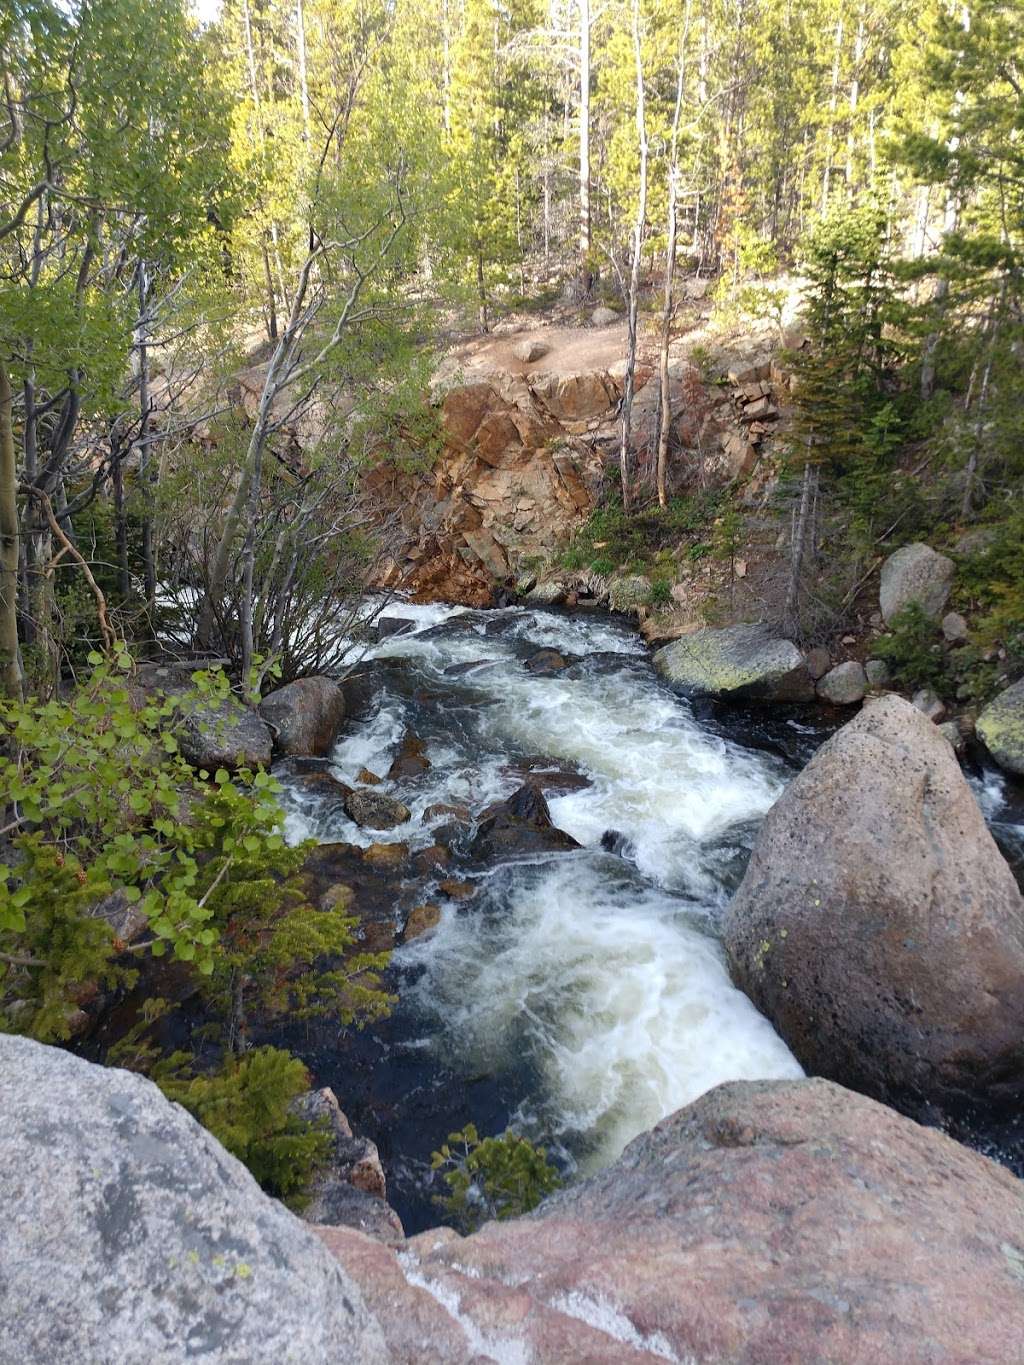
(529, 351)
(879, 927)
(1001, 728)
(393, 625)
(915, 574)
(955, 627)
(818, 661)
(844, 685)
(132, 1237)
(603, 317)
(976, 541)
(225, 734)
(953, 735)
(350, 1191)
(547, 593)
(630, 593)
(739, 663)
(305, 715)
(877, 673)
(373, 810)
(929, 703)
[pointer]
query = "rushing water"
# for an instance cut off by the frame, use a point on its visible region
(580, 996)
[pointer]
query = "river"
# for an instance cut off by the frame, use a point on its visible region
(578, 996)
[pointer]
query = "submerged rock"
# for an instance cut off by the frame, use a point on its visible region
(546, 662)
(305, 715)
(879, 927)
(132, 1236)
(1001, 728)
(420, 921)
(915, 574)
(411, 759)
(739, 663)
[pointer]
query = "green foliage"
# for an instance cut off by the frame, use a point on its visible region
(494, 1177)
(913, 649)
(246, 1103)
(991, 587)
(637, 542)
(101, 804)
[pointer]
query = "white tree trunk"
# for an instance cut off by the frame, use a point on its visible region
(625, 461)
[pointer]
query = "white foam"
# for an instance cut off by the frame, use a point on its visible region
(623, 1005)
(603, 979)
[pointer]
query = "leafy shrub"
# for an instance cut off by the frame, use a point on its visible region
(99, 803)
(494, 1177)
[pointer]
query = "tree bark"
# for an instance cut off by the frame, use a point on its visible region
(10, 663)
(586, 239)
(668, 307)
(300, 31)
(625, 461)
(797, 552)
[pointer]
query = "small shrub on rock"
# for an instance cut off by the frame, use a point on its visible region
(495, 1177)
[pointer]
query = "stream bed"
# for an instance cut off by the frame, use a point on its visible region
(578, 996)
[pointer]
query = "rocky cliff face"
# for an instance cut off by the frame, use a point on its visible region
(770, 1222)
(530, 431)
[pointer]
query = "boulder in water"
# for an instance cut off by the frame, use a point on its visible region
(546, 662)
(305, 715)
(374, 810)
(132, 1236)
(411, 759)
(879, 927)
(915, 575)
(393, 625)
(1001, 728)
(522, 824)
(739, 663)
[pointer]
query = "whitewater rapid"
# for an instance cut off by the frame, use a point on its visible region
(597, 976)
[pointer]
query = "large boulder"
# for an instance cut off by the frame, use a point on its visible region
(777, 1221)
(1001, 728)
(770, 1223)
(879, 927)
(739, 663)
(212, 732)
(304, 715)
(131, 1236)
(915, 574)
